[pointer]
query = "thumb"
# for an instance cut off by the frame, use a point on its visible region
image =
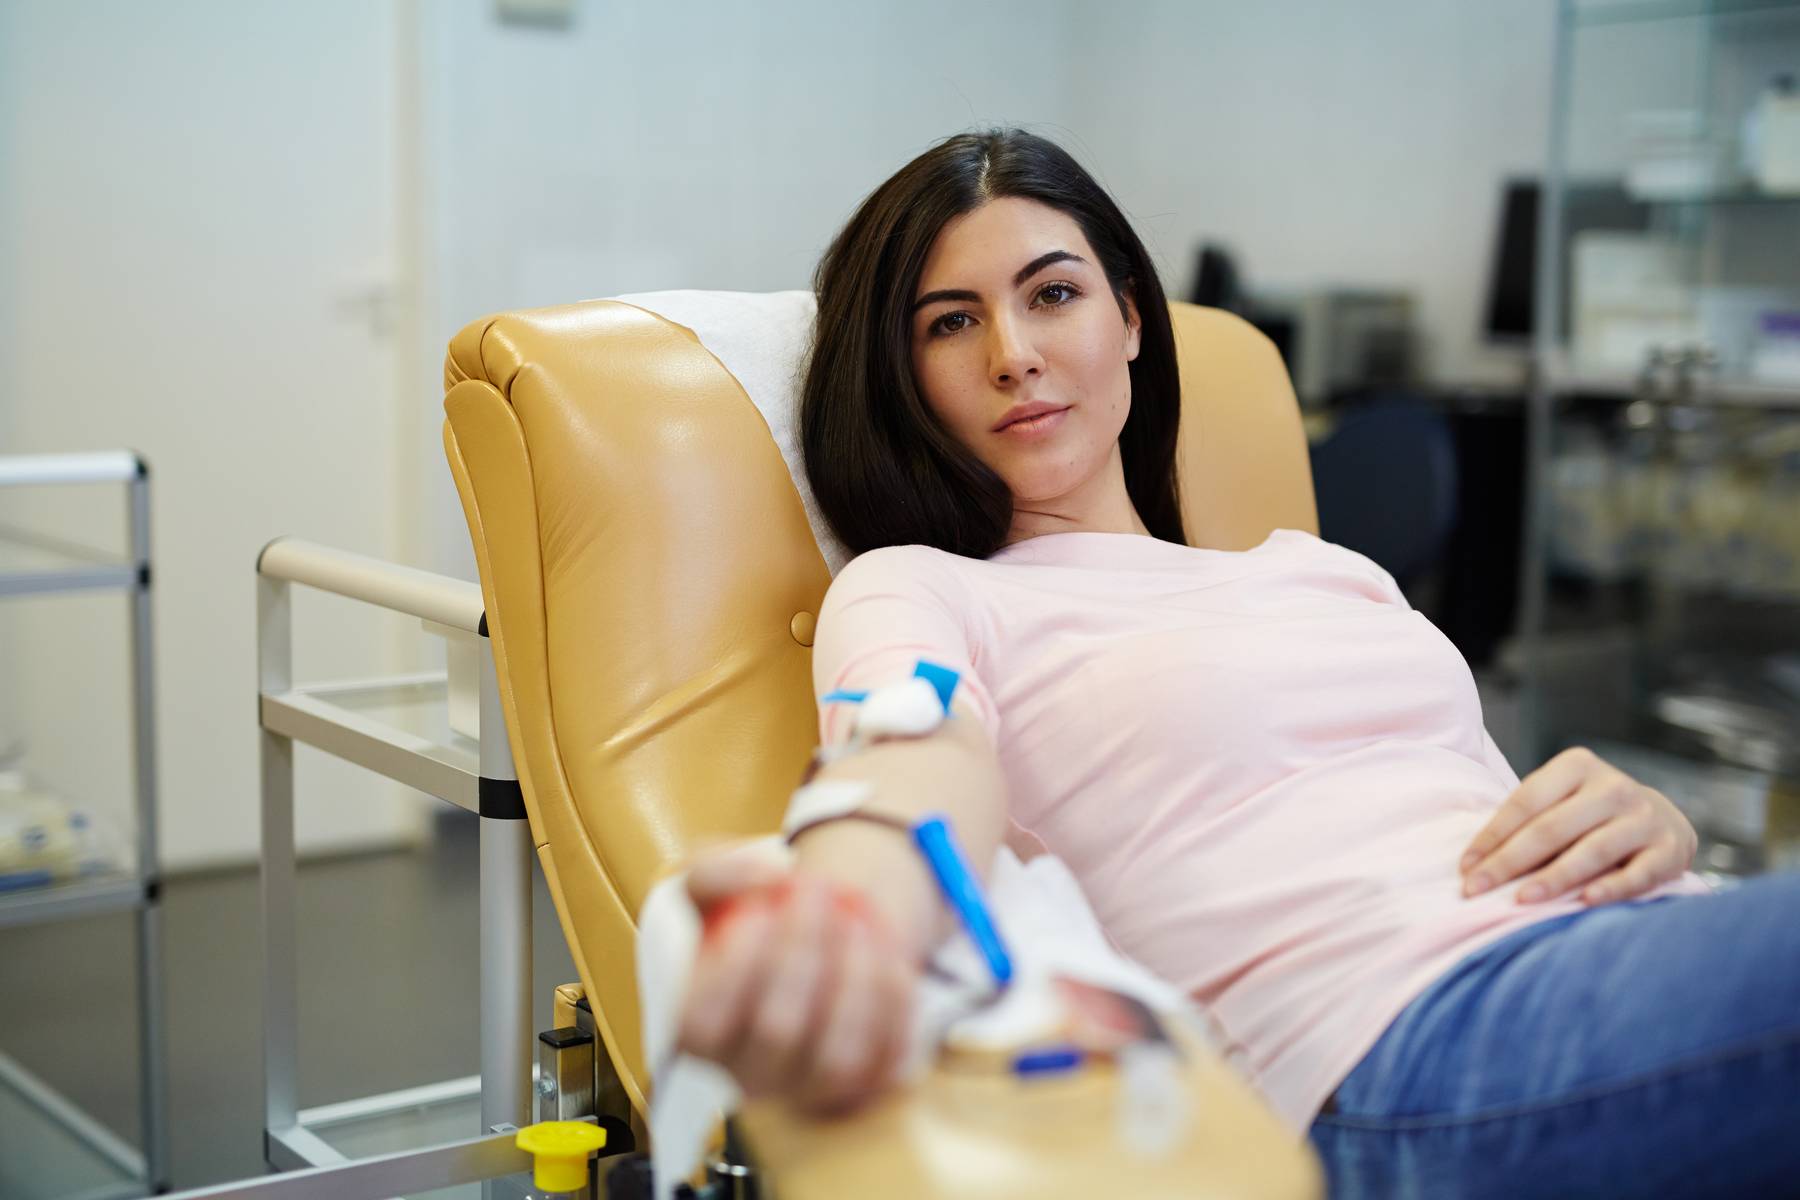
(729, 870)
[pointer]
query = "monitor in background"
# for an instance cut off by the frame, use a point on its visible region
(1512, 282)
(1219, 284)
(1216, 280)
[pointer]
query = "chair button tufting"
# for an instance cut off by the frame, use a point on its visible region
(802, 627)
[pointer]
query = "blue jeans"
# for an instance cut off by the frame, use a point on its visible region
(1648, 1048)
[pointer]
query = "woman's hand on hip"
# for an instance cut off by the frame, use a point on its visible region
(799, 989)
(1579, 820)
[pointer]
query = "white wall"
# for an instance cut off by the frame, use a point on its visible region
(653, 146)
(195, 194)
(1324, 142)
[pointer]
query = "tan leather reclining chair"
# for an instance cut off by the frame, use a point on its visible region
(651, 583)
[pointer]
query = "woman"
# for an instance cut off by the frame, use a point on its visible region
(1263, 766)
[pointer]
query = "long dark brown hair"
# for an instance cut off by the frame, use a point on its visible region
(883, 469)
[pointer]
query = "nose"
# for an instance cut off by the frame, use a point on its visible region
(1012, 357)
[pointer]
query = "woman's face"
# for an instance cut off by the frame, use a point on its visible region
(1014, 310)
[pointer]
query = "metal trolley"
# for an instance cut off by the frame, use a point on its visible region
(33, 564)
(401, 728)
(407, 729)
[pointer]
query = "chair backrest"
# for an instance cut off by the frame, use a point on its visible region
(652, 573)
(1386, 482)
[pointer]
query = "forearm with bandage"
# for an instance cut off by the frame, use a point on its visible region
(951, 771)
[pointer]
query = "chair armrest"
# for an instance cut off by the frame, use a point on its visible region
(430, 597)
(961, 1135)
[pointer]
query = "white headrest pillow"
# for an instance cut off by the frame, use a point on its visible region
(762, 339)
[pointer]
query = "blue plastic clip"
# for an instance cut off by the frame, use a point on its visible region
(1050, 1061)
(941, 678)
(963, 892)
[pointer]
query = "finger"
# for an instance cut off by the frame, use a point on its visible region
(1657, 864)
(1600, 850)
(1543, 838)
(840, 1058)
(897, 977)
(1538, 791)
(895, 1019)
(774, 1045)
(1686, 837)
(833, 984)
(727, 977)
(881, 1039)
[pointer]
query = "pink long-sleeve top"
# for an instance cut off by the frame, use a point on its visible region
(1262, 766)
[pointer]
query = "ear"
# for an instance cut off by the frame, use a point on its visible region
(1133, 326)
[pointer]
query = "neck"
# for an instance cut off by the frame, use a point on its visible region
(1100, 505)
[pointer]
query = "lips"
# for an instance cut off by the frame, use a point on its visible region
(1025, 412)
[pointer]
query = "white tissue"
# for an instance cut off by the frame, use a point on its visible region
(1028, 1010)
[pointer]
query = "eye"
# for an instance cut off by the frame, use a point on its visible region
(1069, 292)
(941, 326)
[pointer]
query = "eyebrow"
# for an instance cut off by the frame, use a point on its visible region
(1025, 272)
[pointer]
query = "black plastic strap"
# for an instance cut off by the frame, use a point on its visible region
(501, 799)
(565, 1037)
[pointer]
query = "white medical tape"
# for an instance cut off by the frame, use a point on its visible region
(824, 800)
(911, 708)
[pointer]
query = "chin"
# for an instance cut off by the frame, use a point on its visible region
(1039, 488)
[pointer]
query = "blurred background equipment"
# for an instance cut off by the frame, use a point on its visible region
(1587, 206)
(1423, 474)
(1335, 340)
(1660, 617)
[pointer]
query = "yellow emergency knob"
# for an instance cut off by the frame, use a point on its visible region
(560, 1152)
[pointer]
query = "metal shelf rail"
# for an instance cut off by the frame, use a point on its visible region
(356, 722)
(32, 564)
(493, 1160)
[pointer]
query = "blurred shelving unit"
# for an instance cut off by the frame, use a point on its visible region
(49, 1148)
(1660, 605)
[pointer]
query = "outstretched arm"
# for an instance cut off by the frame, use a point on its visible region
(805, 989)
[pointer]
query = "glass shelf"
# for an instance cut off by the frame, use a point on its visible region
(416, 704)
(1623, 12)
(425, 1117)
(49, 1151)
(1569, 375)
(31, 563)
(85, 895)
(398, 727)
(1721, 197)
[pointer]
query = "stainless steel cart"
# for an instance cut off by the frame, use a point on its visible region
(405, 728)
(88, 1156)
